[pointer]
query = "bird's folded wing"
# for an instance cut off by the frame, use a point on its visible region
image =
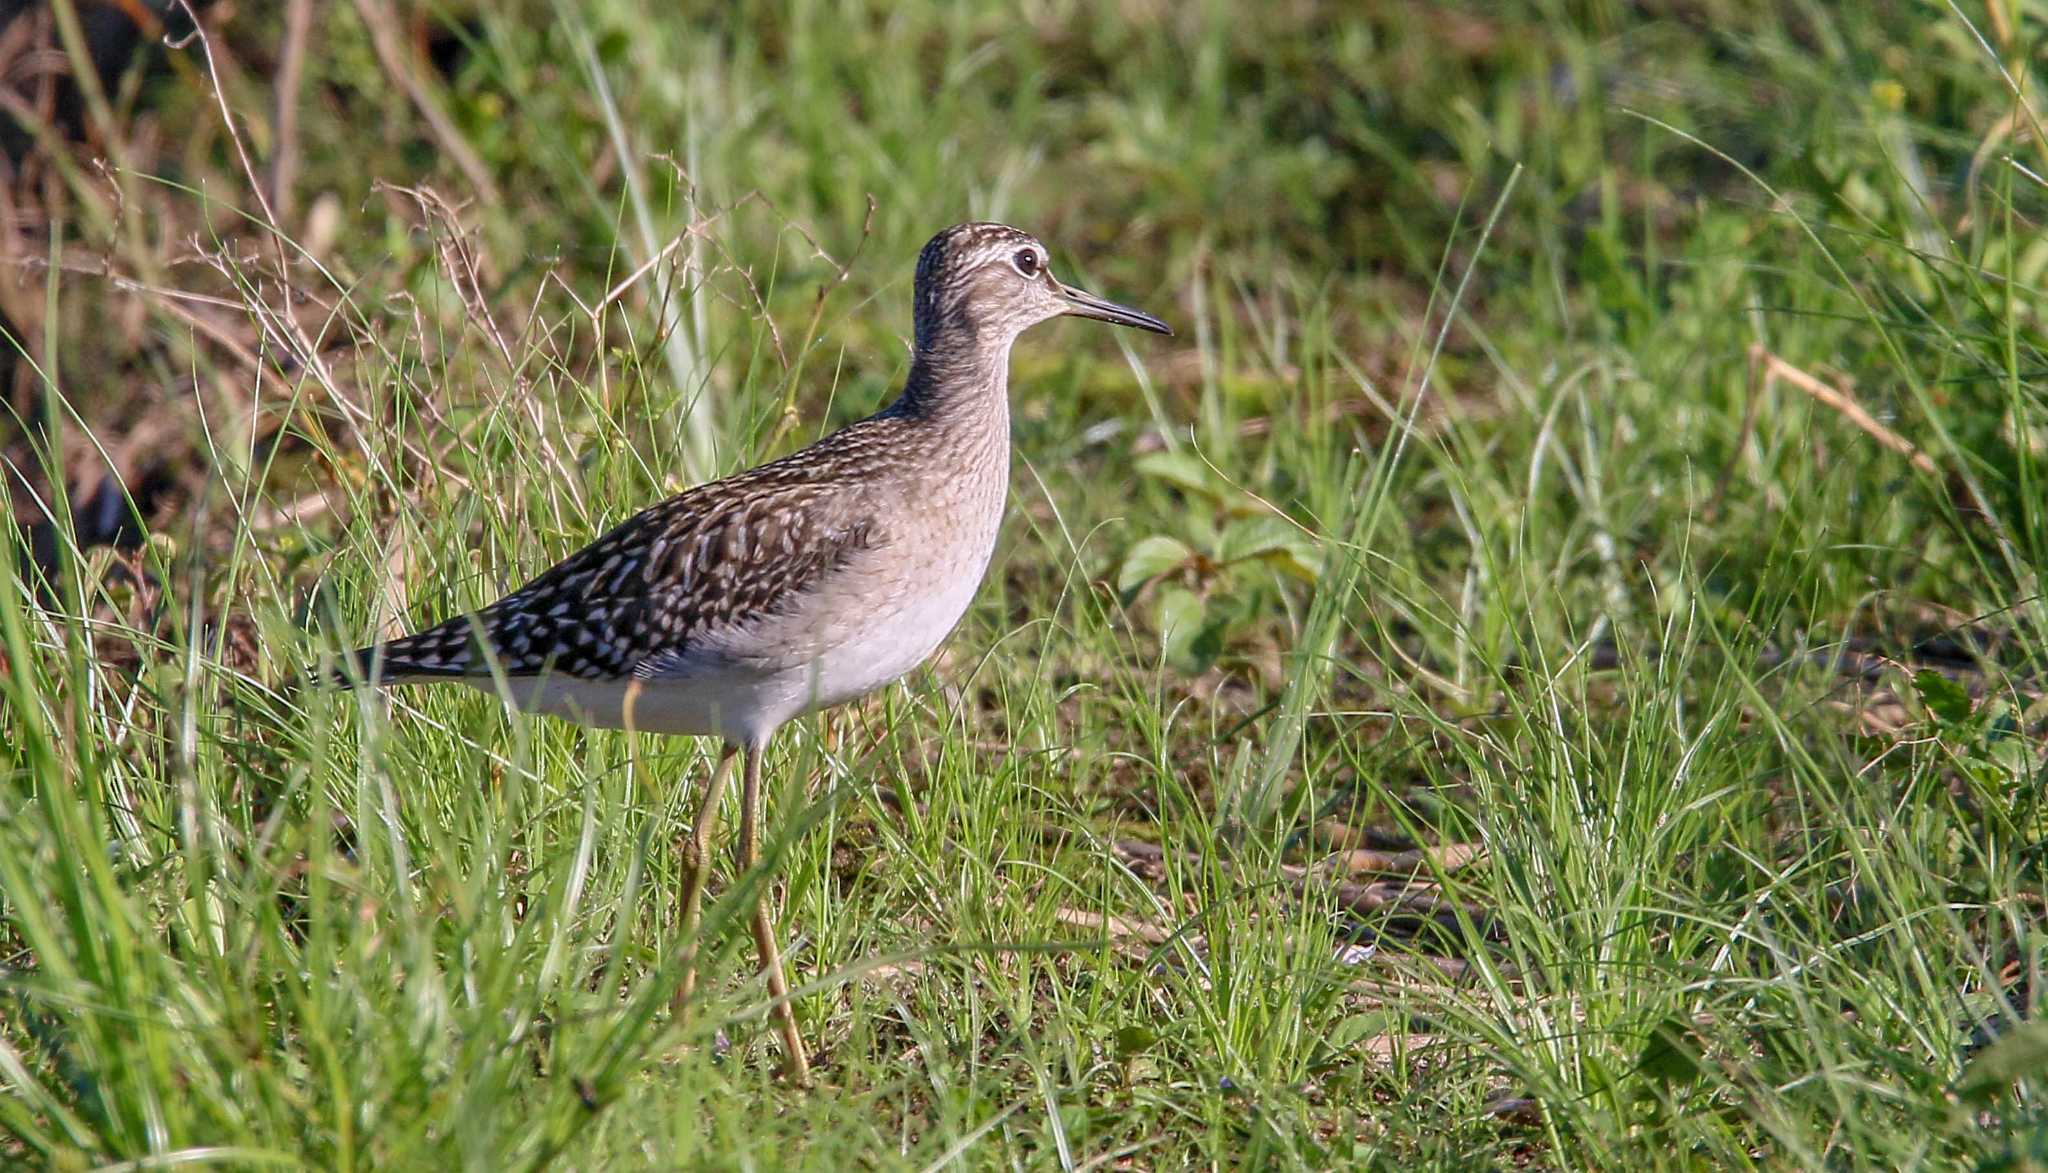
(690, 565)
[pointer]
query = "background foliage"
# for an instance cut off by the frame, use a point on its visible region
(1544, 670)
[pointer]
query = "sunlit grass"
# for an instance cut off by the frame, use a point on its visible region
(1458, 518)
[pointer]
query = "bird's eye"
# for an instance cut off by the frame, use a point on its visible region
(1026, 261)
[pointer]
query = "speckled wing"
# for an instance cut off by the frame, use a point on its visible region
(716, 557)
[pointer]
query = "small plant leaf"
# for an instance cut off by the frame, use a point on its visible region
(1360, 1027)
(1271, 539)
(1670, 1056)
(2020, 1052)
(1178, 612)
(1150, 558)
(1199, 654)
(1182, 471)
(1134, 1039)
(1943, 697)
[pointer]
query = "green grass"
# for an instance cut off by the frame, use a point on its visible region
(1458, 513)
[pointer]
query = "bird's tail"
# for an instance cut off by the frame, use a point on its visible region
(414, 659)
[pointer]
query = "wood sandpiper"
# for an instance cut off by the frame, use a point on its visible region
(806, 582)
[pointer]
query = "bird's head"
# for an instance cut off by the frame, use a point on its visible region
(991, 282)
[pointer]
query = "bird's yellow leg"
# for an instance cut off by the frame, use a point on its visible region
(796, 1062)
(696, 870)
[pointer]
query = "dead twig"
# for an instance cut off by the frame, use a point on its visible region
(698, 227)
(388, 42)
(1113, 925)
(170, 301)
(278, 324)
(299, 512)
(1767, 368)
(227, 118)
(1449, 857)
(284, 164)
(1409, 898)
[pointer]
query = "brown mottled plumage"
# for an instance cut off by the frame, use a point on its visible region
(724, 553)
(805, 582)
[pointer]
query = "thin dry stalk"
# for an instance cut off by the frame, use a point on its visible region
(388, 41)
(1768, 368)
(1449, 857)
(284, 165)
(1407, 897)
(460, 260)
(1113, 925)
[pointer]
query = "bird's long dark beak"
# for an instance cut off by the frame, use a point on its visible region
(1082, 303)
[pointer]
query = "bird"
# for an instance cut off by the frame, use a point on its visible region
(743, 603)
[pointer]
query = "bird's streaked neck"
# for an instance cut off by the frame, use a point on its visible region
(959, 380)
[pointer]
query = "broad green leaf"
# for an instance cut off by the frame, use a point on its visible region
(1178, 612)
(1670, 1056)
(1199, 654)
(1133, 1039)
(1181, 470)
(1358, 1028)
(1943, 697)
(1150, 558)
(1271, 539)
(2020, 1052)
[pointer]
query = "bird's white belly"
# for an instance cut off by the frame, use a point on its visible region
(890, 644)
(721, 690)
(720, 705)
